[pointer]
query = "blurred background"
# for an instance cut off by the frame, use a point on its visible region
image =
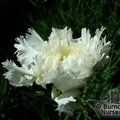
(16, 16)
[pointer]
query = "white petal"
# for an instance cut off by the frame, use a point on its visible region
(66, 101)
(33, 39)
(41, 82)
(25, 52)
(99, 32)
(15, 74)
(65, 81)
(61, 34)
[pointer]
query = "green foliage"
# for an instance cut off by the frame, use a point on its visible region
(42, 16)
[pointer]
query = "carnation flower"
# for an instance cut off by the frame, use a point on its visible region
(70, 60)
(62, 60)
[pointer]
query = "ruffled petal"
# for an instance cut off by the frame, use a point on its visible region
(61, 34)
(17, 76)
(33, 39)
(25, 52)
(66, 102)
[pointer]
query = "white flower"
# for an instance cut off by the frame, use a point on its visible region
(66, 101)
(62, 60)
(76, 63)
(75, 58)
(65, 104)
